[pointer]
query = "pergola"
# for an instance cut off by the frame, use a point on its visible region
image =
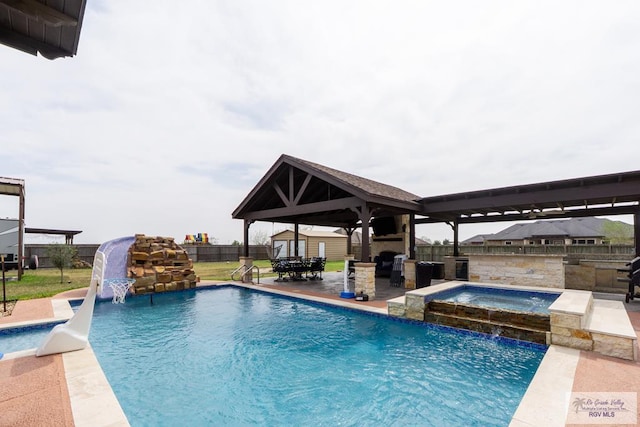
(613, 194)
(68, 234)
(50, 27)
(297, 191)
(15, 187)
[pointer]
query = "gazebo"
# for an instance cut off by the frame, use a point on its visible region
(297, 191)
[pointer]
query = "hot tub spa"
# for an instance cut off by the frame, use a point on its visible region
(513, 313)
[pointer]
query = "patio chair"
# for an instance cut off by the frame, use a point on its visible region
(281, 267)
(316, 267)
(384, 263)
(397, 273)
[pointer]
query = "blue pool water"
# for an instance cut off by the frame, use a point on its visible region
(510, 299)
(23, 338)
(231, 356)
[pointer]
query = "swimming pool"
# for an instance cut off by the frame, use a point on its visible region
(231, 356)
(24, 337)
(498, 298)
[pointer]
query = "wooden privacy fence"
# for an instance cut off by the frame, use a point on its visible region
(197, 253)
(217, 253)
(435, 253)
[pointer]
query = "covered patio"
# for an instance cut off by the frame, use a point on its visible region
(296, 191)
(333, 284)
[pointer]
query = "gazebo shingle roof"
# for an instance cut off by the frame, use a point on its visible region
(369, 186)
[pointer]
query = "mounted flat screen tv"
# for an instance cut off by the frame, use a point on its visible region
(383, 225)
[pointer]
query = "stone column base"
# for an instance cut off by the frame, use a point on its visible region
(366, 279)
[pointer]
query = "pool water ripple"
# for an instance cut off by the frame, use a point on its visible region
(498, 298)
(234, 357)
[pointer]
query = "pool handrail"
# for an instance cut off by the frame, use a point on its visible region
(246, 269)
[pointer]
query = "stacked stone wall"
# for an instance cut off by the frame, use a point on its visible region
(365, 281)
(158, 264)
(545, 271)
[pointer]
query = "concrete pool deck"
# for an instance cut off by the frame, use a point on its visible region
(71, 389)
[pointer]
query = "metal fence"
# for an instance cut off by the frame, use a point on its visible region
(437, 253)
(627, 250)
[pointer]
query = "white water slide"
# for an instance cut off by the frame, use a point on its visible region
(109, 264)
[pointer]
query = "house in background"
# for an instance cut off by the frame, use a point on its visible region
(311, 243)
(575, 231)
(477, 240)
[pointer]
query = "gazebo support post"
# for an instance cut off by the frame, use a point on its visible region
(349, 231)
(365, 217)
(412, 236)
(636, 231)
(21, 234)
(456, 246)
(247, 224)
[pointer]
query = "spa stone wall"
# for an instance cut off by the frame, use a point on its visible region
(546, 271)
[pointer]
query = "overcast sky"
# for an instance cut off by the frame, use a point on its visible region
(170, 114)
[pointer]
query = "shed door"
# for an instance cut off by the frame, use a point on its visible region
(321, 250)
(301, 248)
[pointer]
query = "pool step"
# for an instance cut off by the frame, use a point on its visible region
(510, 324)
(581, 322)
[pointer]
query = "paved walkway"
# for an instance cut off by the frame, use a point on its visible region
(41, 391)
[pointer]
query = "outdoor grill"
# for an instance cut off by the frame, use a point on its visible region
(633, 277)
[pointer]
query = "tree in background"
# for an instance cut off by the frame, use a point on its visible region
(446, 242)
(61, 256)
(618, 232)
(260, 238)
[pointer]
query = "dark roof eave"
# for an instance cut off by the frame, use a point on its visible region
(43, 28)
(411, 204)
(625, 184)
(256, 188)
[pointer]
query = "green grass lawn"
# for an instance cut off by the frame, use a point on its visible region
(45, 282)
